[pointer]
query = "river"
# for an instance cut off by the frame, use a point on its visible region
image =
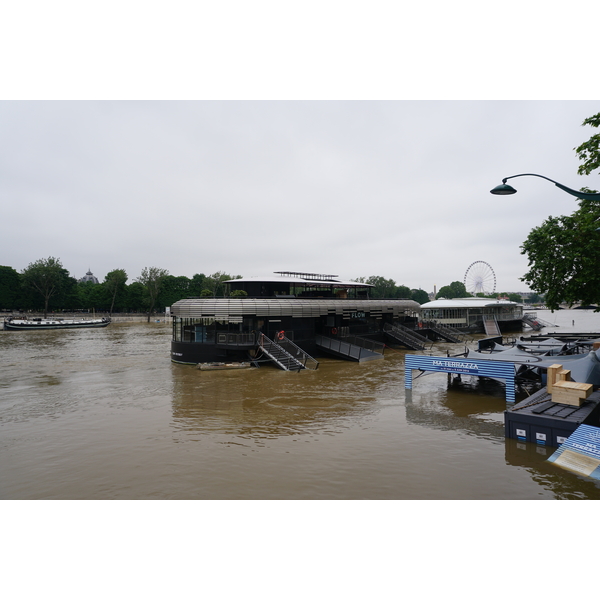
(104, 414)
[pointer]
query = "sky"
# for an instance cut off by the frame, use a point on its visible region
(398, 189)
(327, 152)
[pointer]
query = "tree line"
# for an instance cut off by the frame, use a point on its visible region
(46, 286)
(387, 288)
(457, 289)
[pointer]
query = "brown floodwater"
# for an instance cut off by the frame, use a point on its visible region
(104, 414)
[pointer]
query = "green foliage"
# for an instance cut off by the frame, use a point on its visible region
(589, 152)
(10, 288)
(215, 282)
(173, 289)
(135, 300)
(402, 291)
(564, 257)
(154, 288)
(456, 289)
(196, 284)
(152, 278)
(238, 294)
(533, 299)
(419, 296)
(114, 284)
(48, 278)
(91, 296)
(385, 288)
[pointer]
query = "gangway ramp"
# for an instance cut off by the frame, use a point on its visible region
(490, 324)
(406, 337)
(448, 334)
(353, 348)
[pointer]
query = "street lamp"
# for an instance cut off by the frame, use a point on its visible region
(504, 189)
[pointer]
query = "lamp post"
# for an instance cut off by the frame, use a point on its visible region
(504, 189)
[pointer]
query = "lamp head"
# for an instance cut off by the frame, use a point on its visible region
(503, 190)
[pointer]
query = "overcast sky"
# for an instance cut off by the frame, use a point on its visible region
(309, 180)
(353, 188)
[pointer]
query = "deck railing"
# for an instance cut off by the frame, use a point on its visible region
(300, 355)
(352, 346)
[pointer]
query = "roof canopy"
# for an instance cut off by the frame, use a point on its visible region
(468, 303)
(312, 279)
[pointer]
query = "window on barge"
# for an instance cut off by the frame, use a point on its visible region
(204, 330)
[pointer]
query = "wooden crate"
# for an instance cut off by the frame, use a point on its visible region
(571, 392)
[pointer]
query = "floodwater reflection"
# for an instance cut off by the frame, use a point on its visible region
(267, 402)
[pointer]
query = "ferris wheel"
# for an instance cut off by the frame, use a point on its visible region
(480, 278)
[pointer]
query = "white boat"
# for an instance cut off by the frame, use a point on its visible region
(36, 323)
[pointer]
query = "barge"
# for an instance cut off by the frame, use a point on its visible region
(287, 319)
(38, 323)
(476, 315)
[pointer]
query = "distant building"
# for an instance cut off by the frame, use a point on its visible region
(89, 277)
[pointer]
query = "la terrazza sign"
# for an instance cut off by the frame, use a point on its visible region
(495, 369)
(454, 366)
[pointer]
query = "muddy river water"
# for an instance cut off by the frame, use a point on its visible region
(104, 414)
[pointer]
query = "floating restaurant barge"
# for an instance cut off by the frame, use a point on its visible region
(287, 319)
(478, 315)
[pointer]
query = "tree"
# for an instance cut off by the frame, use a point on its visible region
(564, 252)
(456, 289)
(152, 279)
(564, 257)
(238, 294)
(90, 295)
(214, 282)
(197, 284)
(383, 288)
(10, 287)
(114, 283)
(420, 296)
(174, 289)
(589, 152)
(47, 277)
(402, 291)
(135, 296)
(533, 298)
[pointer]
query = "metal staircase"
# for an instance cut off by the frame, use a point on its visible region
(405, 336)
(286, 355)
(446, 333)
(490, 324)
(532, 320)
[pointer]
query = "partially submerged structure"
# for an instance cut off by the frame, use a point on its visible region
(478, 315)
(289, 319)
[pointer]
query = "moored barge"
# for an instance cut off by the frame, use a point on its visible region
(307, 314)
(476, 315)
(38, 323)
